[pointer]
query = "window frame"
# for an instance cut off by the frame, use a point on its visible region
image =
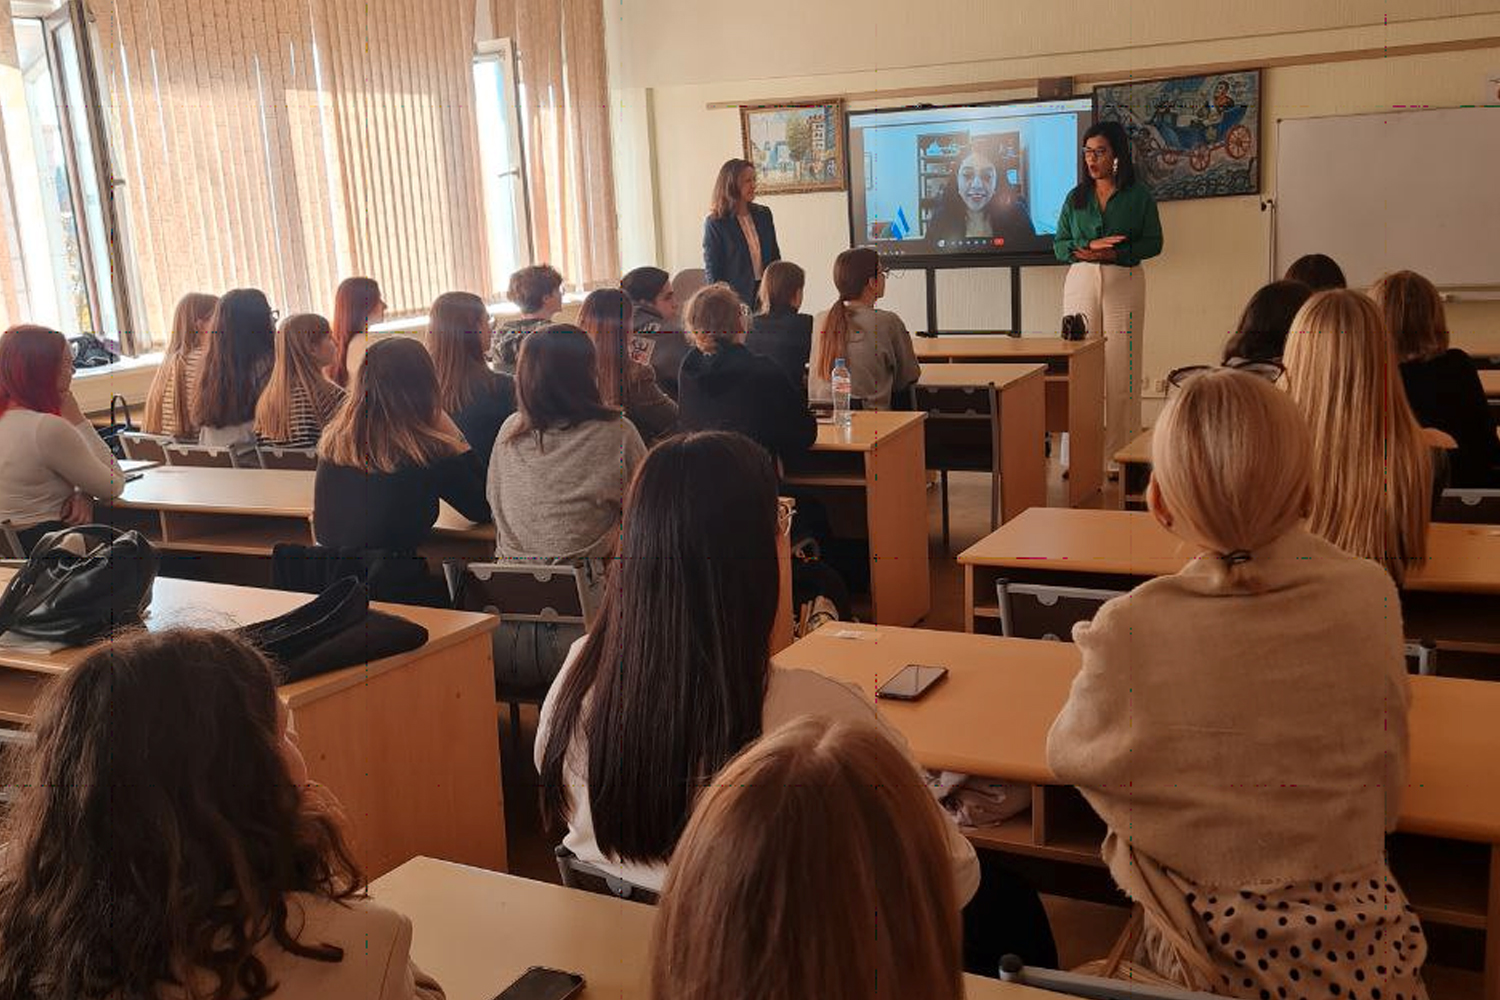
(502, 51)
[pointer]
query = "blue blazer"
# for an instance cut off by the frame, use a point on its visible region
(726, 253)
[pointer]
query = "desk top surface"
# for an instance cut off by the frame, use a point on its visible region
(248, 492)
(975, 348)
(1137, 452)
(475, 931)
(177, 602)
(1461, 558)
(992, 714)
(1491, 381)
(963, 375)
(867, 429)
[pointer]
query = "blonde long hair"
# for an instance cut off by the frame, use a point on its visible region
(823, 833)
(296, 367)
(390, 420)
(1209, 467)
(193, 309)
(715, 317)
(1372, 472)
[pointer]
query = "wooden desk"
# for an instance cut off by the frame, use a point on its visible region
(1135, 471)
(873, 480)
(1075, 391)
(1022, 454)
(1490, 379)
(476, 931)
(407, 743)
(992, 714)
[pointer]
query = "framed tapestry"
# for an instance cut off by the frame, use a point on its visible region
(1190, 136)
(796, 147)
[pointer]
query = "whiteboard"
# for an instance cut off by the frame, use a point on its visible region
(1417, 190)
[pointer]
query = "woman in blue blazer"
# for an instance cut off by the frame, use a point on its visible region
(739, 236)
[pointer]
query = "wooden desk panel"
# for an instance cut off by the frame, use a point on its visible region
(1491, 381)
(459, 914)
(1022, 396)
(960, 347)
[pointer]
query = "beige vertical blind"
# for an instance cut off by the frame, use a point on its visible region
(287, 144)
(565, 119)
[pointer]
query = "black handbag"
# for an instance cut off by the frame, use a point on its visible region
(336, 629)
(80, 584)
(110, 434)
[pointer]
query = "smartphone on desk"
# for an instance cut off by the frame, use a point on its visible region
(541, 983)
(912, 682)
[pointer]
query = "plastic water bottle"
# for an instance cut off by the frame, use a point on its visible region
(842, 384)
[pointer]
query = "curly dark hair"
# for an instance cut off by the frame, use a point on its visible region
(159, 833)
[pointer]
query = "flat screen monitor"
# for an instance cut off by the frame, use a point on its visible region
(967, 183)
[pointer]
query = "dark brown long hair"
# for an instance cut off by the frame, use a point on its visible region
(458, 332)
(779, 286)
(1261, 333)
(353, 303)
(389, 421)
(726, 197)
(556, 383)
(159, 833)
(675, 670)
(1414, 315)
(853, 270)
(238, 360)
(605, 317)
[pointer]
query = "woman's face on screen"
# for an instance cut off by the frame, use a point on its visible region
(977, 179)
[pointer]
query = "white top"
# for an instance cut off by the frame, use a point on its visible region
(790, 694)
(227, 437)
(44, 459)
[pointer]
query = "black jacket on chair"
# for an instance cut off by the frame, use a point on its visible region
(734, 390)
(726, 252)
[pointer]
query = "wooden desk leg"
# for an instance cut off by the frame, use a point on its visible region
(1492, 930)
(1023, 443)
(896, 515)
(1085, 425)
(414, 757)
(968, 598)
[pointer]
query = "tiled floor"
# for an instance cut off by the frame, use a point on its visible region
(1083, 930)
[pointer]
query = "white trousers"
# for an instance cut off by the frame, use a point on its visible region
(1113, 301)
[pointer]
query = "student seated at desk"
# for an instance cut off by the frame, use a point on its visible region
(356, 305)
(676, 678)
(781, 331)
(1241, 726)
(558, 473)
(299, 400)
(236, 366)
(1442, 384)
(479, 400)
(52, 460)
(1317, 271)
(390, 454)
(659, 340)
(1261, 334)
(815, 819)
(1372, 473)
(624, 381)
(725, 387)
(169, 402)
(167, 842)
(537, 291)
(874, 343)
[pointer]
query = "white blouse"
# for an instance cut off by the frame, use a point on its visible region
(44, 460)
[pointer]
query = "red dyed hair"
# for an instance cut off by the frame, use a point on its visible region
(30, 358)
(352, 305)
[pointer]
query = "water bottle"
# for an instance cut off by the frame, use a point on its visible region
(842, 384)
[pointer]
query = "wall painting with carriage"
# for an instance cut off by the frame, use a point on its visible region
(1191, 136)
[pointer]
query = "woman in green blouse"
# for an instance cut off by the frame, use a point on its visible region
(1108, 226)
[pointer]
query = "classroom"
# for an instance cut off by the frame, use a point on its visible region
(671, 500)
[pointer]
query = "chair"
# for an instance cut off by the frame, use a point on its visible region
(142, 447)
(10, 542)
(687, 282)
(1012, 970)
(1468, 507)
(204, 457)
(585, 877)
(288, 458)
(963, 435)
(13, 738)
(520, 592)
(1422, 655)
(1040, 611)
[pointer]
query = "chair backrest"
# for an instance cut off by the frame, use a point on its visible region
(687, 282)
(581, 875)
(1039, 611)
(962, 426)
(204, 457)
(520, 591)
(288, 458)
(1094, 987)
(10, 542)
(142, 447)
(1421, 656)
(1468, 507)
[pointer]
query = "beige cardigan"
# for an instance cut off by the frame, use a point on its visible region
(1241, 739)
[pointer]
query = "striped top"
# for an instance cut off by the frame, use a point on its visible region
(311, 409)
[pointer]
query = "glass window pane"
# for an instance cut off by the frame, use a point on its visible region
(503, 190)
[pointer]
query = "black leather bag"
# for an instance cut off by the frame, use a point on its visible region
(336, 629)
(1075, 327)
(80, 584)
(110, 433)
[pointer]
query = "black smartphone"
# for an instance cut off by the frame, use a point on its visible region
(540, 983)
(912, 682)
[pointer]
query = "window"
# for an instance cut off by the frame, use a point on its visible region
(497, 101)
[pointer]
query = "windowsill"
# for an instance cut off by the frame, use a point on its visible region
(152, 360)
(506, 309)
(128, 377)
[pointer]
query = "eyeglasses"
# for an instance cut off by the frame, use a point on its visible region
(1271, 371)
(1095, 152)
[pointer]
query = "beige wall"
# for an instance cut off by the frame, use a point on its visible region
(672, 57)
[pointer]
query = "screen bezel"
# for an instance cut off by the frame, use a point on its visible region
(939, 261)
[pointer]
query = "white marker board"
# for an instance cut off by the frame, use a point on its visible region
(1416, 190)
